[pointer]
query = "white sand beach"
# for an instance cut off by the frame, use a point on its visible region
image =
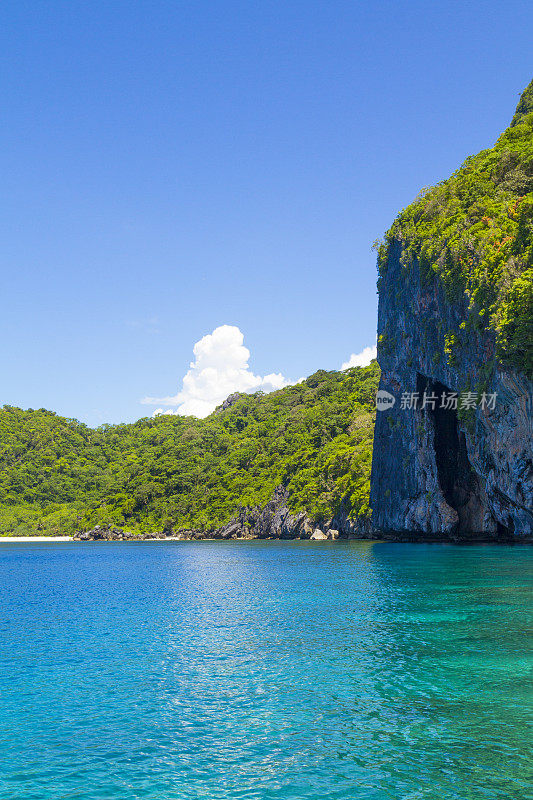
(10, 539)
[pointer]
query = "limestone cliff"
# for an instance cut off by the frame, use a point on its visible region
(455, 328)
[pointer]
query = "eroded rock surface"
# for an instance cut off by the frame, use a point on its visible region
(436, 472)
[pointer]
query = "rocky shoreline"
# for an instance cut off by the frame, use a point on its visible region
(99, 533)
(275, 521)
(272, 521)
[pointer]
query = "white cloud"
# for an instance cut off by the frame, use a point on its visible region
(220, 368)
(361, 359)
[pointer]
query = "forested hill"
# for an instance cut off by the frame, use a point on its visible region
(57, 475)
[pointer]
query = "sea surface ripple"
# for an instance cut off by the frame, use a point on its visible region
(265, 671)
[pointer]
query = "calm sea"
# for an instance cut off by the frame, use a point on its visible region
(290, 671)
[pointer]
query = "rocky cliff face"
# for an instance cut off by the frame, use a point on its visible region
(441, 471)
(437, 471)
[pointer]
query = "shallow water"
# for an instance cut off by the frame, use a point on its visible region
(292, 670)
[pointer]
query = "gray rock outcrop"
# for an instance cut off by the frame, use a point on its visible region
(109, 533)
(230, 401)
(437, 472)
(273, 520)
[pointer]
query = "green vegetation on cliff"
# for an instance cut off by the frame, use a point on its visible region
(474, 231)
(57, 475)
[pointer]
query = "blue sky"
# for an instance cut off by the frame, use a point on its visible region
(172, 167)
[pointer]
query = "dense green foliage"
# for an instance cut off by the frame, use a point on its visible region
(57, 475)
(474, 232)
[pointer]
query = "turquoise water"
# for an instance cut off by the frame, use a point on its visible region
(292, 670)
